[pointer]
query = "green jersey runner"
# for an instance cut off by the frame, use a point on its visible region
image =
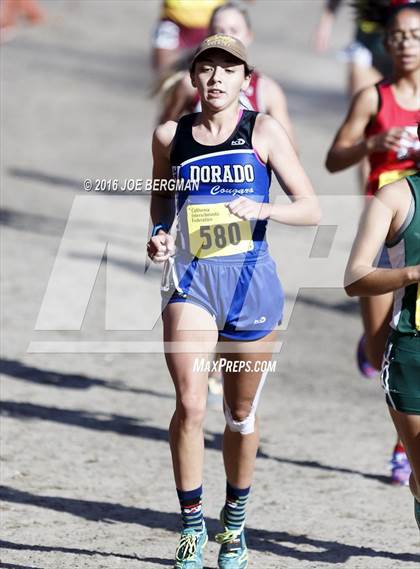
(401, 366)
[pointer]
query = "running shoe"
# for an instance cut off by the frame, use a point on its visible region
(400, 468)
(189, 553)
(365, 368)
(233, 552)
(417, 512)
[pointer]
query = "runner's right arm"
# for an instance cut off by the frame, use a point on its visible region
(350, 145)
(385, 212)
(162, 208)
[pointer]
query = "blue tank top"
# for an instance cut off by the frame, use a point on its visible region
(208, 177)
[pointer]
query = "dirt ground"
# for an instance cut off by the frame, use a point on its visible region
(86, 471)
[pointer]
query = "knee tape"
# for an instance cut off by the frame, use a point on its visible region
(247, 425)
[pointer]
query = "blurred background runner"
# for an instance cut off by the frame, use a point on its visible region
(182, 25)
(13, 11)
(263, 94)
(381, 127)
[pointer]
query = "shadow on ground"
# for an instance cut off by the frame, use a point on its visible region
(33, 175)
(133, 427)
(32, 374)
(280, 543)
(31, 222)
(58, 549)
(117, 72)
(350, 307)
(214, 441)
(13, 566)
(107, 422)
(318, 465)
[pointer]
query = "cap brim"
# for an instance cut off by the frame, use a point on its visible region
(217, 48)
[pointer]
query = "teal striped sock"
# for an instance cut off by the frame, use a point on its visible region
(235, 506)
(417, 511)
(191, 511)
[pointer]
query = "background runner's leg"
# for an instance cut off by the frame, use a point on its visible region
(376, 315)
(408, 427)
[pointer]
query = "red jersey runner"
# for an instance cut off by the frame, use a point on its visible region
(389, 166)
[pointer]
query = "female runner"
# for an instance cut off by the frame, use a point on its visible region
(381, 124)
(393, 217)
(262, 94)
(220, 276)
(367, 57)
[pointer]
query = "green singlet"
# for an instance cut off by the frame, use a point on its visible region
(401, 366)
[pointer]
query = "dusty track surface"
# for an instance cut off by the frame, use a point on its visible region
(85, 460)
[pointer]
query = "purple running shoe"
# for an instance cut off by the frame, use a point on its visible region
(365, 368)
(400, 467)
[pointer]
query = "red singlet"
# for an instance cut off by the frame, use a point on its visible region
(386, 167)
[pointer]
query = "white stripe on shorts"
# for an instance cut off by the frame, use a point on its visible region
(385, 373)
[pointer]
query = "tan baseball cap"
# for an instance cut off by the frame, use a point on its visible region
(225, 43)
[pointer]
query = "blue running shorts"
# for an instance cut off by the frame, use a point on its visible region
(245, 298)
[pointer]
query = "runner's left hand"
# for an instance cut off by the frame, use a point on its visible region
(249, 209)
(161, 247)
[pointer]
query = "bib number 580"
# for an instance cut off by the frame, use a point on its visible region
(220, 235)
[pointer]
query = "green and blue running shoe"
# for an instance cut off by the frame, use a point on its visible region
(417, 512)
(233, 552)
(189, 553)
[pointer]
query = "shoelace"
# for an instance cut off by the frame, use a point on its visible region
(187, 547)
(227, 537)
